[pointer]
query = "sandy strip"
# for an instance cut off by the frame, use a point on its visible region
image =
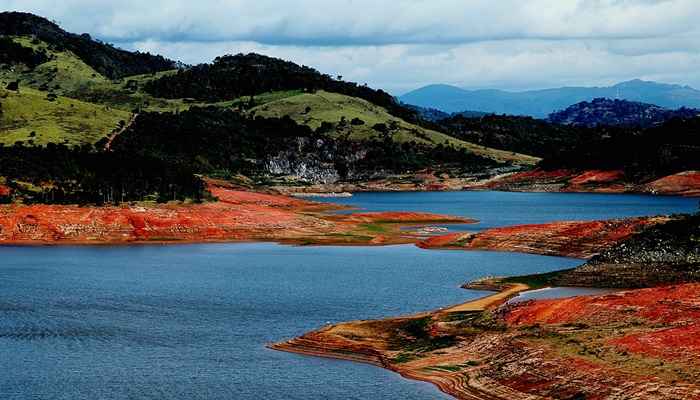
(493, 300)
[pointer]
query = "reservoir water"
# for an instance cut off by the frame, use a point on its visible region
(494, 209)
(192, 321)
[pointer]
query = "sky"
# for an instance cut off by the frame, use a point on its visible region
(400, 45)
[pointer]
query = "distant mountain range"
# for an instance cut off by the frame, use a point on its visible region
(541, 103)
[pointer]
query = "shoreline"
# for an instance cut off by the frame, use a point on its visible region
(305, 347)
(505, 362)
(450, 336)
(683, 184)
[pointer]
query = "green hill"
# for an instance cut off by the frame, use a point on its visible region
(269, 119)
(66, 74)
(358, 119)
(28, 116)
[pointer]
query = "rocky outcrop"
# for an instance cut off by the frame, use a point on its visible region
(663, 254)
(303, 170)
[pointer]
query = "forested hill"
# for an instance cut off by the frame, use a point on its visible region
(643, 154)
(521, 134)
(238, 75)
(602, 111)
(104, 58)
(77, 126)
(70, 132)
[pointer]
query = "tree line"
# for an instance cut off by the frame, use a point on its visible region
(162, 156)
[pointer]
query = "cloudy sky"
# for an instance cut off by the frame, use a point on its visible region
(400, 45)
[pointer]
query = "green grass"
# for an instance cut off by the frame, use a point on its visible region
(67, 75)
(332, 107)
(259, 99)
(374, 228)
(404, 358)
(64, 73)
(28, 115)
(536, 281)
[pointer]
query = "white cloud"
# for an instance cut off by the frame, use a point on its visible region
(370, 21)
(402, 44)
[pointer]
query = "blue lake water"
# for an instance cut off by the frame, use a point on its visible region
(494, 209)
(192, 321)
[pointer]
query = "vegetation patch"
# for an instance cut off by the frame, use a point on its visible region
(334, 113)
(28, 116)
(414, 336)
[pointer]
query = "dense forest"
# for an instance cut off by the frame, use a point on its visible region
(520, 134)
(161, 155)
(63, 175)
(670, 148)
(214, 140)
(104, 58)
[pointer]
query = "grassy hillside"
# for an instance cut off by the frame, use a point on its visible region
(358, 119)
(28, 115)
(65, 74)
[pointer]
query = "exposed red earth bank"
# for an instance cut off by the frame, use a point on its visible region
(239, 215)
(684, 184)
(4, 191)
(639, 344)
(591, 181)
(578, 239)
(242, 215)
(595, 181)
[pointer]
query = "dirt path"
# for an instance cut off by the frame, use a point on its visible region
(114, 134)
(490, 301)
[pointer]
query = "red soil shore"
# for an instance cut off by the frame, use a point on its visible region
(639, 344)
(683, 184)
(578, 239)
(665, 321)
(239, 215)
(664, 305)
(596, 181)
(4, 191)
